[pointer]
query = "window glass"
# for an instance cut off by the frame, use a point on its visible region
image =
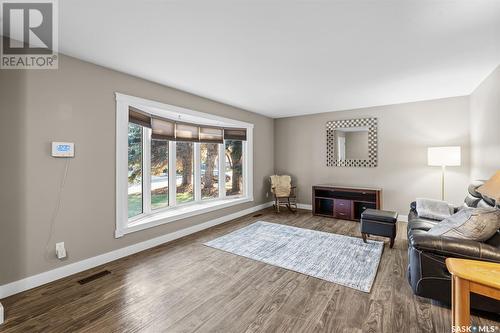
(134, 170)
(159, 174)
(184, 172)
(209, 158)
(234, 167)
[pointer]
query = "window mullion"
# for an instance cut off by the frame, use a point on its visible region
(197, 172)
(172, 182)
(146, 173)
(222, 170)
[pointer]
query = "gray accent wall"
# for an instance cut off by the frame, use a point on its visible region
(77, 103)
(485, 127)
(404, 133)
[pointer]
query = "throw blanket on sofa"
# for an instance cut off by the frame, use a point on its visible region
(433, 209)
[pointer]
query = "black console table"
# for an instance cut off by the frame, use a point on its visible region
(343, 202)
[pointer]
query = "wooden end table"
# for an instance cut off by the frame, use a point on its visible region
(479, 277)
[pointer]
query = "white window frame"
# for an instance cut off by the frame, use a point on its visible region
(173, 212)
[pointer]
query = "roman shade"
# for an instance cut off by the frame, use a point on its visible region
(163, 129)
(211, 134)
(235, 134)
(186, 132)
(139, 117)
(167, 129)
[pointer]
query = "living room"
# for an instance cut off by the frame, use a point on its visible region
(358, 143)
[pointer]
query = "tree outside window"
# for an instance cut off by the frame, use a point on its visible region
(159, 174)
(234, 167)
(209, 158)
(184, 172)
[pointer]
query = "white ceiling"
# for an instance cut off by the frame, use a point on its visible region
(288, 57)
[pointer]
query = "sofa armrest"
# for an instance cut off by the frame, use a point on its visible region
(455, 248)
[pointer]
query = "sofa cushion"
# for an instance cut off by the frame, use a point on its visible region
(494, 240)
(421, 224)
(471, 201)
(485, 203)
(477, 224)
(417, 232)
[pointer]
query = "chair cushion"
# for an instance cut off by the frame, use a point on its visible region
(281, 186)
(379, 215)
(478, 224)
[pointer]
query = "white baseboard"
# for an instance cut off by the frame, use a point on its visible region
(1, 314)
(61, 272)
(304, 206)
(403, 218)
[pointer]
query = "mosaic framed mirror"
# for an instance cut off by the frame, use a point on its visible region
(352, 143)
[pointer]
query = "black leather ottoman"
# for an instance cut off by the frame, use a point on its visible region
(380, 223)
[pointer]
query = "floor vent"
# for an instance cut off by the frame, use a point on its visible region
(257, 215)
(94, 277)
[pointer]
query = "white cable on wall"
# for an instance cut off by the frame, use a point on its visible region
(53, 220)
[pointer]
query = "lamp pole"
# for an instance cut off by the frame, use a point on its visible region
(443, 167)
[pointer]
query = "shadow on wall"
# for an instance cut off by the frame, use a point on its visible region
(266, 188)
(13, 237)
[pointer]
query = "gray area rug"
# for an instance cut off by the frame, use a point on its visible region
(331, 257)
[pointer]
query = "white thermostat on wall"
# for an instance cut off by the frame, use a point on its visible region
(63, 149)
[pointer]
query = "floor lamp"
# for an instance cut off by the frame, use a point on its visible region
(443, 157)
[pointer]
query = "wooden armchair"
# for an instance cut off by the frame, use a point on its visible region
(283, 192)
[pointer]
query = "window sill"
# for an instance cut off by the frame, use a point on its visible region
(178, 213)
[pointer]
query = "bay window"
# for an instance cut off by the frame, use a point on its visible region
(179, 163)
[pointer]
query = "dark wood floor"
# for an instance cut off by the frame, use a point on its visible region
(184, 286)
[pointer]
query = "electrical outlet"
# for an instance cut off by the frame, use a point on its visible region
(267, 194)
(60, 250)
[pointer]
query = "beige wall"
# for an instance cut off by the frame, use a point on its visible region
(12, 174)
(404, 133)
(77, 103)
(485, 127)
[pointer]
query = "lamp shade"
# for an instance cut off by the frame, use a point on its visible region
(443, 156)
